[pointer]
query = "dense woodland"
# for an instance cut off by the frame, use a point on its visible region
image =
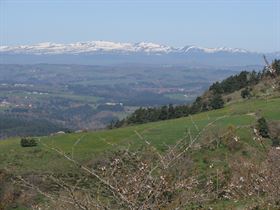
(12, 125)
(213, 100)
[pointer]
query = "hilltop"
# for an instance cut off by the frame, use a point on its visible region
(244, 85)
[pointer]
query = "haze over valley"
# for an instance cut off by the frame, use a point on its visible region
(51, 84)
(139, 105)
(89, 97)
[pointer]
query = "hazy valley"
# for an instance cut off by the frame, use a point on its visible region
(139, 105)
(76, 97)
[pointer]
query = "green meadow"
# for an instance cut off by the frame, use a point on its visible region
(89, 145)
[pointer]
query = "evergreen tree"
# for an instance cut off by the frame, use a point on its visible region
(263, 128)
(217, 102)
(28, 142)
(245, 93)
(163, 113)
(276, 66)
(171, 112)
(216, 88)
(196, 106)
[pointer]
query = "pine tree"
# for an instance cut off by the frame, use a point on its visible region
(245, 93)
(217, 102)
(263, 128)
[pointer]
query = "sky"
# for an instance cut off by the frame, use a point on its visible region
(248, 24)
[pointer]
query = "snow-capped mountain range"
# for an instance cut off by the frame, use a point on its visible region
(106, 52)
(106, 46)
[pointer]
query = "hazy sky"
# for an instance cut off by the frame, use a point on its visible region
(249, 24)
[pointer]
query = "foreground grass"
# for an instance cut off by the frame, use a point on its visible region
(86, 146)
(208, 159)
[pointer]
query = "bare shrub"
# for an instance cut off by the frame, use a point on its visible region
(260, 182)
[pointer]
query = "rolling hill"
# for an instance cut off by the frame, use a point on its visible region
(215, 159)
(98, 145)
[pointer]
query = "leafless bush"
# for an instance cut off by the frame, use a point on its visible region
(260, 182)
(149, 179)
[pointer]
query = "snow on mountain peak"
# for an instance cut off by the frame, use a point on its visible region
(107, 46)
(189, 49)
(152, 47)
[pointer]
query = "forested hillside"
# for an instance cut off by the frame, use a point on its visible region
(18, 125)
(214, 98)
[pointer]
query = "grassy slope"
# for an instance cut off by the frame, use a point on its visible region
(92, 145)
(23, 160)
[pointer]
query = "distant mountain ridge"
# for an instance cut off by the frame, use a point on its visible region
(107, 46)
(106, 52)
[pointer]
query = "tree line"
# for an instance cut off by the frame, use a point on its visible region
(214, 99)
